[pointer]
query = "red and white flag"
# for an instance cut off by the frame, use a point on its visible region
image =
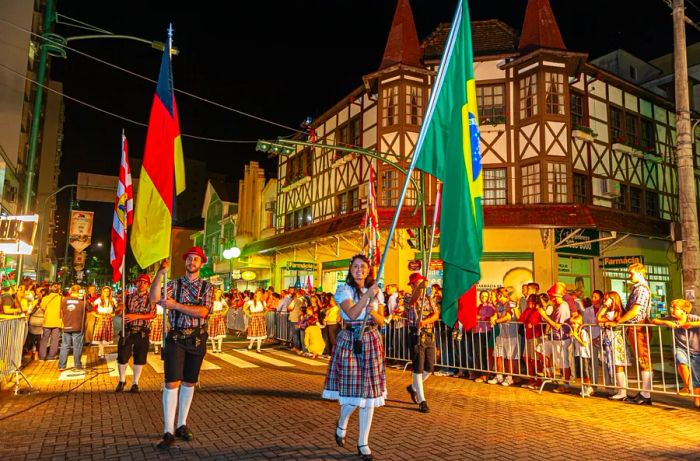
(123, 214)
(370, 223)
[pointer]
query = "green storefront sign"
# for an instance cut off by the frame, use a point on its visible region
(582, 243)
(614, 262)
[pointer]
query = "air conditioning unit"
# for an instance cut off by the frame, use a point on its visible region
(608, 187)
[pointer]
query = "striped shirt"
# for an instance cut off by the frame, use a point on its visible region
(192, 294)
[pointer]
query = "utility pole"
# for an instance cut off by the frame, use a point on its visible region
(684, 157)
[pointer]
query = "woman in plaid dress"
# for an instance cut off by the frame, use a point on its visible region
(217, 321)
(257, 329)
(358, 381)
(104, 311)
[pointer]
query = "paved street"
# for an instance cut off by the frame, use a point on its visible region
(267, 406)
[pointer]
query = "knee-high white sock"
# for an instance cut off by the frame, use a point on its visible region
(418, 386)
(366, 414)
(186, 394)
(169, 409)
(221, 341)
(250, 346)
(213, 344)
(122, 371)
(621, 382)
(100, 349)
(137, 373)
(426, 375)
(345, 412)
(259, 343)
(646, 383)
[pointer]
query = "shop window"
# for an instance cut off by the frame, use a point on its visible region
(556, 183)
(635, 199)
(390, 106)
(495, 186)
(308, 216)
(289, 221)
(575, 272)
(581, 193)
(579, 114)
(554, 96)
(530, 176)
(347, 202)
(491, 102)
(528, 96)
(414, 105)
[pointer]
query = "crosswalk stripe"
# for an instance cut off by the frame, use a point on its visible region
(312, 362)
(113, 368)
(206, 365)
(263, 358)
(235, 361)
(155, 362)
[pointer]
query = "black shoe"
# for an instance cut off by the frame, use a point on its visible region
(364, 457)
(120, 386)
(412, 393)
(423, 407)
(338, 439)
(134, 389)
(640, 400)
(167, 442)
(183, 432)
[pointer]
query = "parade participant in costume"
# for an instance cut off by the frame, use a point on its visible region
(156, 335)
(217, 322)
(257, 331)
(356, 374)
(422, 314)
(189, 302)
(134, 338)
(103, 311)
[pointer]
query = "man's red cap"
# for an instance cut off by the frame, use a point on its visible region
(415, 278)
(196, 251)
(143, 278)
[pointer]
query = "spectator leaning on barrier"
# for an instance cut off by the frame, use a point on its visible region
(686, 337)
(557, 343)
(613, 344)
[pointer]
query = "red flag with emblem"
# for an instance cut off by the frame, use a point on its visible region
(123, 214)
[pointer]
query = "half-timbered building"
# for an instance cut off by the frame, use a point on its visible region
(579, 168)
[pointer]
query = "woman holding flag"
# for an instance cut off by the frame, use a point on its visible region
(356, 375)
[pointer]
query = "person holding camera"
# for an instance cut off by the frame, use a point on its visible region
(422, 315)
(356, 375)
(189, 302)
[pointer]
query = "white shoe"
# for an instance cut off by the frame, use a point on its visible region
(587, 391)
(508, 381)
(497, 380)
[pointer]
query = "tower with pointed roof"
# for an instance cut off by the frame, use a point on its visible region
(400, 86)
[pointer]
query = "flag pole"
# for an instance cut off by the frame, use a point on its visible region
(436, 211)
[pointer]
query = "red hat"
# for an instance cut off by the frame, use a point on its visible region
(557, 289)
(197, 251)
(143, 278)
(415, 278)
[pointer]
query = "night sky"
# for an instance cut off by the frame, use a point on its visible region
(279, 60)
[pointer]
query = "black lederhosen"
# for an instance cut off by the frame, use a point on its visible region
(185, 349)
(136, 339)
(422, 348)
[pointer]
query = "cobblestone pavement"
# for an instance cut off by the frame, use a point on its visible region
(249, 409)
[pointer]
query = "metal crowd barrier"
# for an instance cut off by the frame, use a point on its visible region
(13, 333)
(474, 351)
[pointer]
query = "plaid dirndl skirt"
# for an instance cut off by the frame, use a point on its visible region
(156, 329)
(256, 326)
(353, 380)
(217, 326)
(103, 329)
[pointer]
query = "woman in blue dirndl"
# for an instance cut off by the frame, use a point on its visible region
(358, 378)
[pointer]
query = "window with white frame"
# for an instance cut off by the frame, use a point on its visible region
(390, 106)
(554, 93)
(530, 177)
(492, 104)
(390, 188)
(495, 186)
(556, 183)
(528, 96)
(414, 105)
